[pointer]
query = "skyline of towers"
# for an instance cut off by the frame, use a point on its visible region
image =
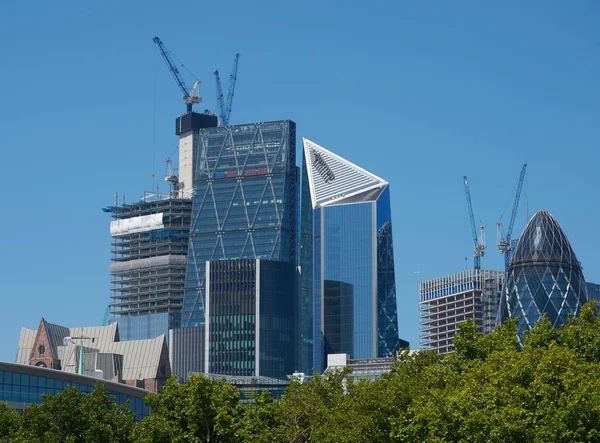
(266, 293)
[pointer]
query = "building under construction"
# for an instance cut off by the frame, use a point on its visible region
(447, 301)
(149, 251)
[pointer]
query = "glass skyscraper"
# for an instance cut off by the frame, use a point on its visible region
(544, 276)
(244, 203)
(347, 263)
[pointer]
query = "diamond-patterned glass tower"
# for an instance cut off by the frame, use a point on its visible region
(544, 276)
(244, 202)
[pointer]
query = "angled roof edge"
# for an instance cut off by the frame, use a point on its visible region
(369, 181)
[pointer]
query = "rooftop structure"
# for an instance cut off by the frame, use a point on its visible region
(149, 252)
(250, 386)
(362, 368)
(447, 301)
(348, 280)
(544, 276)
(96, 351)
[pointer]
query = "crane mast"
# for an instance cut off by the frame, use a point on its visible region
(504, 241)
(190, 96)
(478, 240)
(220, 101)
(224, 108)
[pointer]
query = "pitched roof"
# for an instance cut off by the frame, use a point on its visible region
(333, 179)
(141, 358)
(26, 341)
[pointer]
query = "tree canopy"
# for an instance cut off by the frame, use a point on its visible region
(491, 389)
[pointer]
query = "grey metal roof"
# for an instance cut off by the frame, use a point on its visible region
(56, 334)
(26, 341)
(140, 357)
(99, 336)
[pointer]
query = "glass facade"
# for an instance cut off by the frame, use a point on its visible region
(146, 326)
(20, 386)
(244, 204)
(544, 276)
(304, 346)
(349, 258)
(593, 292)
(250, 315)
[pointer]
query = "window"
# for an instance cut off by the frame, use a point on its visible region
(41, 349)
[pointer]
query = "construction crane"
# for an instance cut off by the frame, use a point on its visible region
(478, 240)
(504, 242)
(172, 178)
(224, 107)
(193, 96)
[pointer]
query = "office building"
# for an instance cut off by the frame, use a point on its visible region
(346, 259)
(149, 250)
(544, 276)
(243, 209)
(593, 292)
(448, 301)
(362, 368)
(243, 204)
(249, 318)
(96, 351)
(23, 385)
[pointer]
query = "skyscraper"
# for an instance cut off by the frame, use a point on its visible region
(240, 286)
(150, 242)
(244, 202)
(447, 301)
(544, 276)
(347, 261)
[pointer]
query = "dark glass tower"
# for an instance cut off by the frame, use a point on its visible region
(544, 276)
(244, 202)
(351, 264)
(249, 318)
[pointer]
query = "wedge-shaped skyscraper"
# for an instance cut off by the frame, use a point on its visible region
(544, 276)
(348, 302)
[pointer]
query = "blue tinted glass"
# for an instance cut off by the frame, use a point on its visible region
(350, 262)
(243, 204)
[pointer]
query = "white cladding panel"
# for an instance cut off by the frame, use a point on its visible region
(186, 163)
(332, 178)
(132, 225)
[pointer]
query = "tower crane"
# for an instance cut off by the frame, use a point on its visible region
(478, 241)
(193, 96)
(224, 107)
(505, 246)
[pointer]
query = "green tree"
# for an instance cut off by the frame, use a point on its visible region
(9, 422)
(73, 416)
(261, 420)
(200, 410)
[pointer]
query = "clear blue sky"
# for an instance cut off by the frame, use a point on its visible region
(420, 93)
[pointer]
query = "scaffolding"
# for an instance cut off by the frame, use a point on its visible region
(448, 301)
(149, 254)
